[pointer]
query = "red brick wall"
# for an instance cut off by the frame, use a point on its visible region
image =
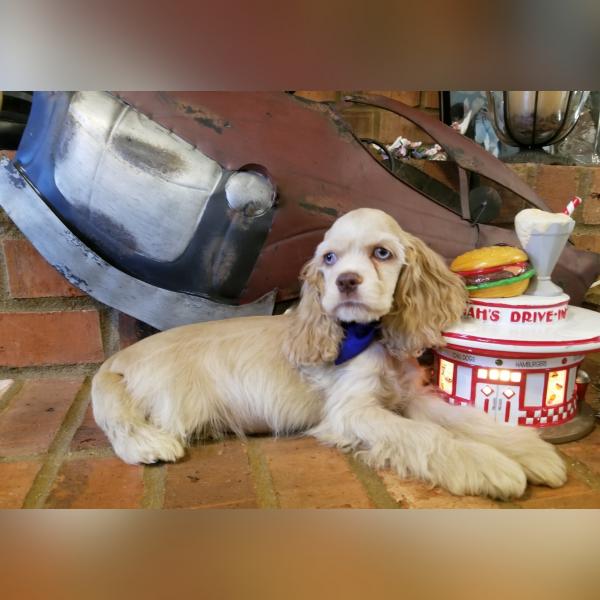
(30, 276)
(557, 185)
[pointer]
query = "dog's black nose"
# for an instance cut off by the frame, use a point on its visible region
(348, 282)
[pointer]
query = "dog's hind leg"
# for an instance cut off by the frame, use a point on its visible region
(134, 439)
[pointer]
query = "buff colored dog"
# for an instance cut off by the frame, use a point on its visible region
(277, 374)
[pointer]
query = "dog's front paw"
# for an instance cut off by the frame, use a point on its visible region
(543, 465)
(470, 468)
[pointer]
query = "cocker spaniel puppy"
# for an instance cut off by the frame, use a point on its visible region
(338, 366)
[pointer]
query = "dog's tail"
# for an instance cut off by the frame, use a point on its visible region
(134, 439)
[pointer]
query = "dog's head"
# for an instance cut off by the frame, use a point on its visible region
(367, 268)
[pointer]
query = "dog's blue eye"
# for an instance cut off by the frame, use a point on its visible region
(382, 253)
(329, 258)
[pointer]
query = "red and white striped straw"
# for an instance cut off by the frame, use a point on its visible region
(573, 204)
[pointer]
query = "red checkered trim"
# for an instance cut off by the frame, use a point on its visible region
(550, 416)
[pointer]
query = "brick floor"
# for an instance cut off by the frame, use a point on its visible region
(586, 450)
(34, 415)
(53, 455)
(538, 496)
(5, 384)
(589, 499)
(89, 436)
(307, 474)
(416, 494)
(97, 483)
(20, 475)
(214, 475)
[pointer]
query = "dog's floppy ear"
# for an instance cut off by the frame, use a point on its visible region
(313, 337)
(428, 299)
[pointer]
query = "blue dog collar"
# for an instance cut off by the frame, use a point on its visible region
(357, 338)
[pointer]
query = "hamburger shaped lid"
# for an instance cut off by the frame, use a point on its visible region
(494, 271)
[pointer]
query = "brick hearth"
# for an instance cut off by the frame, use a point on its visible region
(52, 455)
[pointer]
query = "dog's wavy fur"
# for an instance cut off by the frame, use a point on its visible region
(277, 374)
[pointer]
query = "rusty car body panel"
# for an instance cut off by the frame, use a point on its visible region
(317, 165)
